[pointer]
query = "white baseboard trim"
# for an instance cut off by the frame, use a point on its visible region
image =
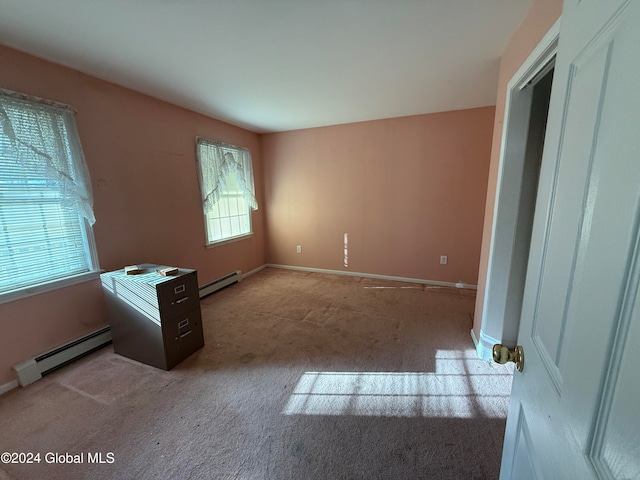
(374, 275)
(7, 387)
(475, 339)
(255, 270)
(484, 347)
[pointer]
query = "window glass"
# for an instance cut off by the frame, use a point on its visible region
(226, 181)
(43, 237)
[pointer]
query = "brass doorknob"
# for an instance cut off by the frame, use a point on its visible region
(502, 355)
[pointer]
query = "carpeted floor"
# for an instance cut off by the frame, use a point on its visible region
(303, 376)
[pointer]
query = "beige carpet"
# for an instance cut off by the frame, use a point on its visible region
(303, 376)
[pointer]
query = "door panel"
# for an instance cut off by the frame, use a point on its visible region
(616, 446)
(571, 189)
(574, 407)
(525, 461)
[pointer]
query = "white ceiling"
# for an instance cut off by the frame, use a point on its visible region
(276, 65)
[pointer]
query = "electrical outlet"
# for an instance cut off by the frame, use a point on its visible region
(299, 248)
(443, 259)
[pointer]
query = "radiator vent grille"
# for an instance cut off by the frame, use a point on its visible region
(220, 283)
(35, 368)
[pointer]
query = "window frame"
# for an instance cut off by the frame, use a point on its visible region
(40, 286)
(235, 238)
(226, 240)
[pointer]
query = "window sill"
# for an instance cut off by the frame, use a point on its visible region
(25, 292)
(229, 240)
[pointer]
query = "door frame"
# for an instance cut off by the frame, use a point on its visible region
(504, 268)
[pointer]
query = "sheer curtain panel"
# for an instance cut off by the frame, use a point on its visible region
(46, 202)
(217, 160)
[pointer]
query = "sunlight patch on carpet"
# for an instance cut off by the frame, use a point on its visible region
(461, 387)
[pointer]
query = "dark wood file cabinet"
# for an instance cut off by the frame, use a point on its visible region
(154, 319)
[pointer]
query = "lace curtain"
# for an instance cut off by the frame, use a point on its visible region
(216, 161)
(41, 131)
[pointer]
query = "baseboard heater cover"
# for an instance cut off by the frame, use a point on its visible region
(220, 283)
(35, 368)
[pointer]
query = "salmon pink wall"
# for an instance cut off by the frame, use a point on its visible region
(541, 16)
(141, 157)
(406, 190)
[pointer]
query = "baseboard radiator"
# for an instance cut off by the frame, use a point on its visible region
(219, 283)
(35, 368)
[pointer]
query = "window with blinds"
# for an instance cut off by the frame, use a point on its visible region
(227, 187)
(42, 238)
(229, 217)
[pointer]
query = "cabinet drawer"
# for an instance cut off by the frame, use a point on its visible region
(183, 335)
(178, 296)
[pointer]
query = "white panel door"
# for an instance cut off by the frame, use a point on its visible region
(574, 410)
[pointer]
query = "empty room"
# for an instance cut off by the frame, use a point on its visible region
(319, 240)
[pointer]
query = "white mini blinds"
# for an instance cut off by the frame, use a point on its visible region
(46, 202)
(227, 187)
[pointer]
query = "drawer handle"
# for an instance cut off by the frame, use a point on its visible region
(183, 323)
(182, 300)
(179, 289)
